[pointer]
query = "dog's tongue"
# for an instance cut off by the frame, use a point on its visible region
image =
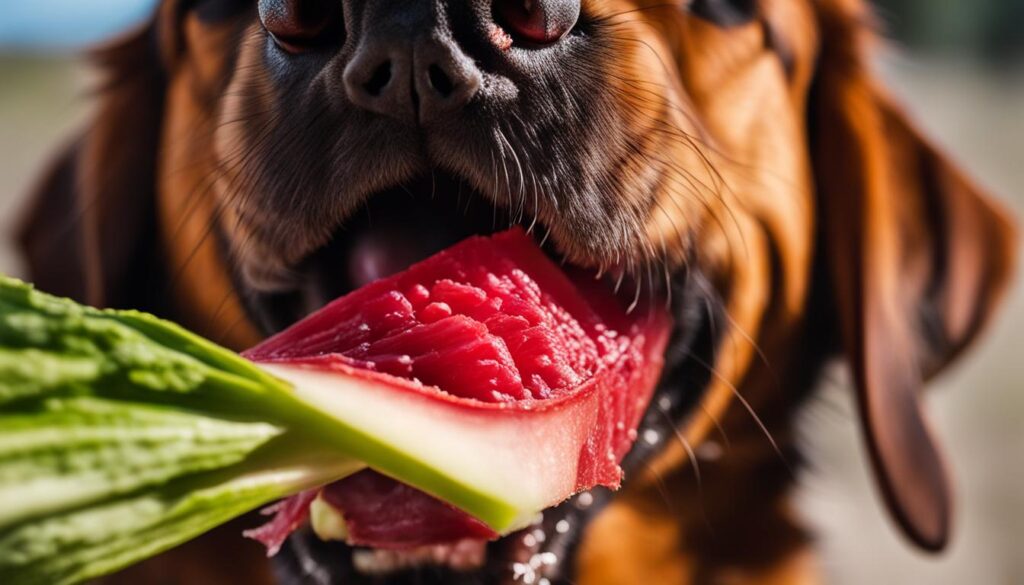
(388, 250)
(491, 320)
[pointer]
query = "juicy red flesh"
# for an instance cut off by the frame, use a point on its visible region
(490, 320)
(384, 513)
(289, 514)
(470, 320)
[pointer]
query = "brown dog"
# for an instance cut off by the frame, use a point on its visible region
(737, 153)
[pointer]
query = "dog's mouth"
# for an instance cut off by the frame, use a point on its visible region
(392, 230)
(395, 229)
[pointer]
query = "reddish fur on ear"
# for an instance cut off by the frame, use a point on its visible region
(92, 223)
(917, 258)
(50, 232)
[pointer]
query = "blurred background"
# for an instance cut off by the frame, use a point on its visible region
(959, 66)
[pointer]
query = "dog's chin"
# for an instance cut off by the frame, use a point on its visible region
(395, 229)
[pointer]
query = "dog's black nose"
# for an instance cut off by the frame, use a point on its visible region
(407, 65)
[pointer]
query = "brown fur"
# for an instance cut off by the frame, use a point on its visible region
(767, 154)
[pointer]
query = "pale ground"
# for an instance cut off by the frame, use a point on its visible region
(978, 408)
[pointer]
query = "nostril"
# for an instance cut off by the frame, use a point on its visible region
(414, 80)
(379, 79)
(440, 81)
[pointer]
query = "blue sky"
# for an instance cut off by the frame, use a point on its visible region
(66, 24)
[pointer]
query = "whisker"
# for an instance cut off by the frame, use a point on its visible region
(746, 405)
(690, 454)
(659, 482)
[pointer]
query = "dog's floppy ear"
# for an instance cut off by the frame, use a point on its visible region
(90, 230)
(916, 257)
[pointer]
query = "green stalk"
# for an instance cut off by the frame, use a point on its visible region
(77, 451)
(122, 435)
(93, 540)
